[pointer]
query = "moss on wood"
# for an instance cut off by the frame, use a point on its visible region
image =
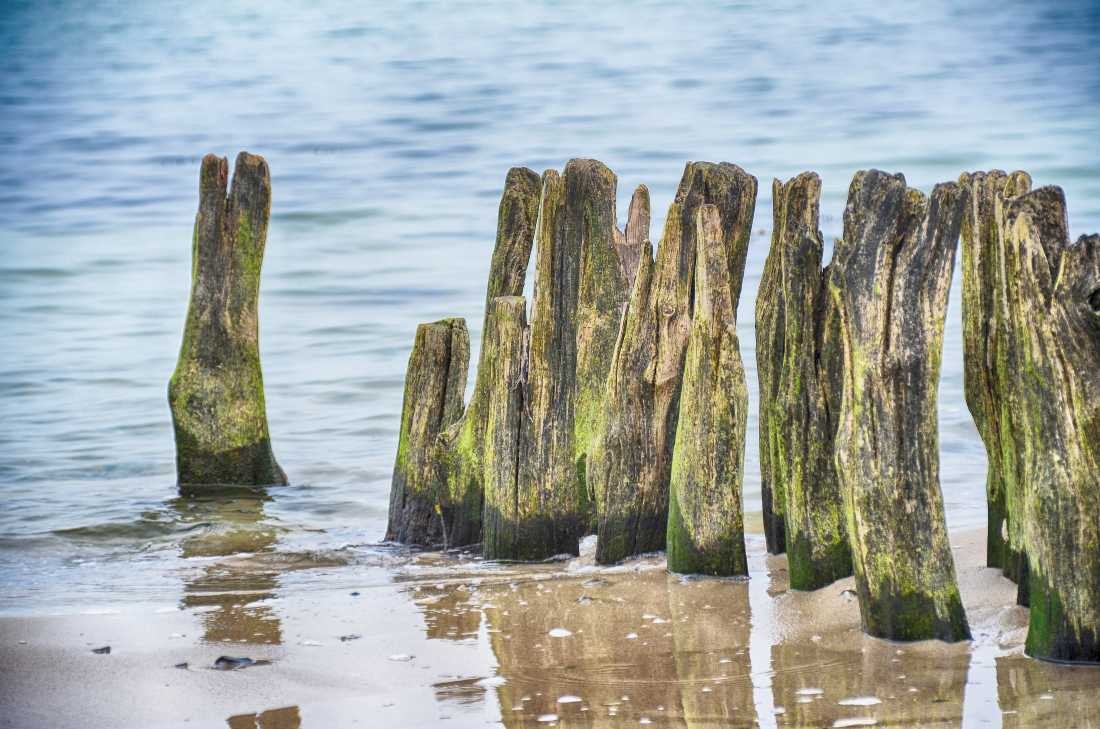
(1052, 338)
(891, 276)
(633, 468)
(216, 393)
(706, 523)
(807, 381)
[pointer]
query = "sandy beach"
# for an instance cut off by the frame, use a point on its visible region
(419, 640)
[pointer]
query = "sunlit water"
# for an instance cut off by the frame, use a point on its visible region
(389, 131)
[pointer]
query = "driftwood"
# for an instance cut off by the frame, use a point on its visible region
(988, 363)
(705, 522)
(892, 276)
(632, 452)
(435, 382)
(804, 365)
(216, 393)
(1049, 357)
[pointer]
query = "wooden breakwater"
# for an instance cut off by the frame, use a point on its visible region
(617, 405)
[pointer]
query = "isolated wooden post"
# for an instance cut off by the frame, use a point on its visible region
(705, 522)
(216, 393)
(988, 371)
(893, 273)
(802, 422)
(632, 460)
(435, 383)
(1052, 312)
(464, 442)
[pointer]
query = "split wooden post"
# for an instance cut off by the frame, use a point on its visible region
(632, 459)
(988, 369)
(705, 521)
(216, 393)
(1052, 327)
(463, 444)
(435, 383)
(893, 273)
(808, 379)
(769, 360)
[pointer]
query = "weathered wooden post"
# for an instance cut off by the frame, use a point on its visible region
(893, 273)
(463, 444)
(503, 372)
(769, 360)
(1052, 321)
(705, 520)
(580, 291)
(808, 381)
(632, 460)
(988, 369)
(216, 393)
(435, 383)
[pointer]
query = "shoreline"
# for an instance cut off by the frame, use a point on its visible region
(440, 639)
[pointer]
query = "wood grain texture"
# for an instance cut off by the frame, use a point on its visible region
(216, 393)
(891, 281)
(706, 522)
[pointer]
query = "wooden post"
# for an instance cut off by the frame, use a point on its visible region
(435, 383)
(769, 359)
(216, 393)
(705, 522)
(463, 444)
(503, 373)
(580, 291)
(632, 462)
(988, 376)
(893, 273)
(1052, 322)
(802, 421)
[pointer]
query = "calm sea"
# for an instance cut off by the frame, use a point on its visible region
(389, 129)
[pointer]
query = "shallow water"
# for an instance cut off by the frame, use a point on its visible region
(389, 131)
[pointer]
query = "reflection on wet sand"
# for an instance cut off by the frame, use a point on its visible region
(285, 718)
(1039, 694)
(229, 593)
(580, 646)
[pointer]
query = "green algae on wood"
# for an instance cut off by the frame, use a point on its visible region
(435, 382)
(891, 277)
(464, 442)
(987, 359)
(802, 421)
(605, 278)
(705, 521)
(1052, 321)
(633, 467)
(769, 358)
(216, 393)
(503, 373)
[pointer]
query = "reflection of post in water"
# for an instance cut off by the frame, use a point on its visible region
(1037, 693)
(231, 526)
(842, 674)
(449, 611)
(285, 718)
(710, 627)
(617, 657)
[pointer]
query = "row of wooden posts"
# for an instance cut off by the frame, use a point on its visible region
(621, 407)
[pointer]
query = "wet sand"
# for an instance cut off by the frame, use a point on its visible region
(448, 640)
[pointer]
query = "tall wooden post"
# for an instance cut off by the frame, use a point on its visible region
(893, 273)
(216, 393)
